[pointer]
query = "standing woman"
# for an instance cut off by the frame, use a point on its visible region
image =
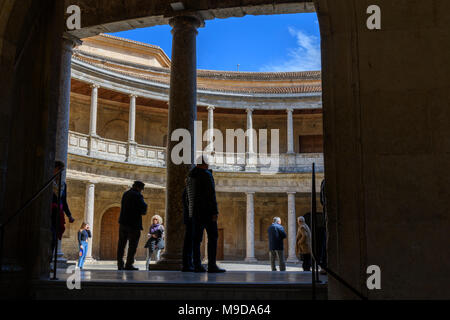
(83, 235)
(155, 242)
(303, 245)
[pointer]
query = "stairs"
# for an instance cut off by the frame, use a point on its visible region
(177, 286)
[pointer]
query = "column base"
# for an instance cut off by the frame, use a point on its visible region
(251, 260)
(61, 263)
(167, 265)
(90, 260)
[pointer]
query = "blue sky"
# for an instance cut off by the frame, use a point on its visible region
(257, 43)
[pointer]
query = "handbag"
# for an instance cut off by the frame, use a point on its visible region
(161, 244)
(148, 243)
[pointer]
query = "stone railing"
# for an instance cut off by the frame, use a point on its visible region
(268, 162)
(105, 149)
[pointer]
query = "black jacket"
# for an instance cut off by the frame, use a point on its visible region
(185, 200)
(63, 200)
(276, 237)
(84, 236)
(133, 208)
(201, 191)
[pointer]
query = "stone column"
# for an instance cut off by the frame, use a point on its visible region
(93, 120)
(132, 129)
(211, 132)
(291, 156)
(62, 126)
(290, 131)
(250, 228)
(132, 121)
(292, 227)
(182, 115)
(89, 213)
(251, 156)
(94, 104)
(211, 124)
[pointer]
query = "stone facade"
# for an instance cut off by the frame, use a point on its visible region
(125, 139)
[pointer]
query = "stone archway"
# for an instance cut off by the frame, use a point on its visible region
(386, 121)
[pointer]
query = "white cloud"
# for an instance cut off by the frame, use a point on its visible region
(305, 57)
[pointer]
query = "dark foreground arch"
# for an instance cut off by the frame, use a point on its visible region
(386, 114)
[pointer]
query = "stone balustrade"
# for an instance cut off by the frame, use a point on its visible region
(111, 150)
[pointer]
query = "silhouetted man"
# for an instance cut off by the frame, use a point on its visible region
(132, 210)
(276, 244)
(204, 213)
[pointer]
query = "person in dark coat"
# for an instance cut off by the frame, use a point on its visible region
(203, 210)
(277, 234)
(59, 210)
(188, 263)
(132, 210)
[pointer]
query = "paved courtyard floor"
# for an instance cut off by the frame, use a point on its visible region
(171, 277)
(228, 265)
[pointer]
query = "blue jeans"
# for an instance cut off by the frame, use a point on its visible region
(84, 244)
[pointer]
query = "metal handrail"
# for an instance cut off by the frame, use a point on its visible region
(26, 206)
(316, 262)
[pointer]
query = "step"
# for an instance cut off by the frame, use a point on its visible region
(178, 286)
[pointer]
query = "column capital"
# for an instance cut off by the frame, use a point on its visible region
(250, 193)
(91, 182)
(94, 85)
(291, 192)
(71, 41)
(133, 95)
(211, 108)
(250, 110)
(192, 21)
(290, 110)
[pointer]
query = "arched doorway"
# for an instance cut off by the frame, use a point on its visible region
(109, 234)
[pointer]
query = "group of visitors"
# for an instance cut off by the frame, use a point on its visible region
(200, 213)
(303, 247)
(277, 234)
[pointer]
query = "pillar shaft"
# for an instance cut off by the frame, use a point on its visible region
(93, 116)
(211, 127)
(89, 213)
(250, 257)
(290, 131)
(132, 120)
(62, 126)
(250, 137)
(292, 227)
(62, 129)
(182, 115)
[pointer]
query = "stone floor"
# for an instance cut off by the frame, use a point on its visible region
(101, 280)
(228, 265)
(171, 277)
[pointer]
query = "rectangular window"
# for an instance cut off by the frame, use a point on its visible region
(311, 144)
